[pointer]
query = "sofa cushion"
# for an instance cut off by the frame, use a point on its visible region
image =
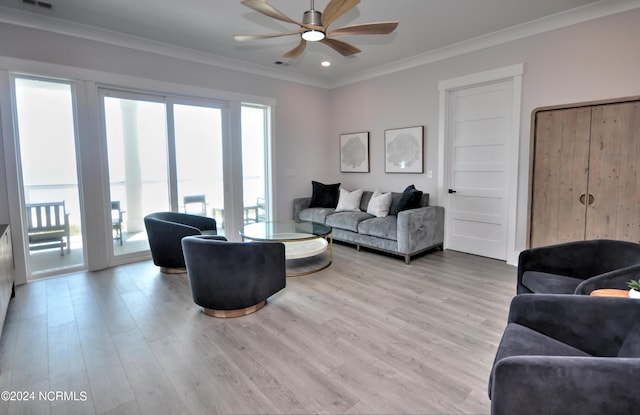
(409, 199)
(347, 220)
(386, 227)
(364, 201)
(349, 201)
(324, 195)
(546, 283)
(316, 214)
(379, 204)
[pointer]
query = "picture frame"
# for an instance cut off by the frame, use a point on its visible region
(354, 152)
(404, 150)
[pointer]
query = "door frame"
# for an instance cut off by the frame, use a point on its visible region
(10, 136)
(511, 73)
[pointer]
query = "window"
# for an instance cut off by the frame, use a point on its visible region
(146, 152)
(198, 137)
(138, 169)
(51, 195)
(255, 160)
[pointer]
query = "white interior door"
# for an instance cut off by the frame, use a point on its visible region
(479, 131)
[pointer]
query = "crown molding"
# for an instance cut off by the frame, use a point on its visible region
(582, 14)
(69, 28)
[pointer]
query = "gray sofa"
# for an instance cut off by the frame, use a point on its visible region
(408, 233)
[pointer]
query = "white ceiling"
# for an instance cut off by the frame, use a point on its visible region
(206, 28)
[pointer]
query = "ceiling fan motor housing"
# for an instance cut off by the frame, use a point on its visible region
(312, 18)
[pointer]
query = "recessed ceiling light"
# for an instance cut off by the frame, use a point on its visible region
(325, 63)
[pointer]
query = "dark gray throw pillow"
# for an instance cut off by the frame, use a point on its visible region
(410, 199)
(324, 195)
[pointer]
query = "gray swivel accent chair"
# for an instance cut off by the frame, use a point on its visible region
(578, 267)
(232, 279)
(165, 231)
(568, 354)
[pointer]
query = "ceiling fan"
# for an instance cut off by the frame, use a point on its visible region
(315, 24)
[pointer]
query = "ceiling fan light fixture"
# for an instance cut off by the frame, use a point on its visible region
(314, 26)
(313, 35)
(312, 18)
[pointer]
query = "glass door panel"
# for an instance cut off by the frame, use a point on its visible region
(254, 159)
(198, 143)
(138, 170)
(47, 143)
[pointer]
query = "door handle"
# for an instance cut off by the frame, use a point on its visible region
(583, 199)
(452, 191)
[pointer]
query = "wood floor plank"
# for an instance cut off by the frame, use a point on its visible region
(369, 334)
(154, 392)
(109, 385)
(31, 363)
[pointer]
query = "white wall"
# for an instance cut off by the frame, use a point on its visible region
(595, 60)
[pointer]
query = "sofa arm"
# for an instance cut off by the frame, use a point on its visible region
(420, 229)
(560, 384)
(299, 204)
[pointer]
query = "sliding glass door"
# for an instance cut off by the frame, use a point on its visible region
(136, 136)
(85, 184)
(164, 154)
(198, 137)
(46, 121)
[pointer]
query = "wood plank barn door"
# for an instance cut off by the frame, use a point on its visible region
(560, 176)
(614, 173)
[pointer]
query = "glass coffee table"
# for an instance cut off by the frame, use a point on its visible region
(308, 245)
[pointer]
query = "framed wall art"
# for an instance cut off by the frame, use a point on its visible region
(403, 150)
(354, 153)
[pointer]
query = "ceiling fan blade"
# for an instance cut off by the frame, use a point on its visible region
(343, 48)
(244, 38)
(297, 51)
(337, 8)
(265, 8)
(378, 28)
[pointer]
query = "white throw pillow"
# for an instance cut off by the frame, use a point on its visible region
(349, 201)
(379, 204)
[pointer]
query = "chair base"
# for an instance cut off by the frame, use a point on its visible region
(166, 270)
(234, 313)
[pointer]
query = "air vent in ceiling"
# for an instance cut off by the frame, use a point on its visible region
(43, 4)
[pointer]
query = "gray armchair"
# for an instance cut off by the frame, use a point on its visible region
(568, 354)
(231, 279)
(165, 231)
(578, 267)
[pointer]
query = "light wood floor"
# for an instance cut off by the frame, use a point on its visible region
(367, 335)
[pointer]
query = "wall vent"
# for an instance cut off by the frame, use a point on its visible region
(43, 4)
